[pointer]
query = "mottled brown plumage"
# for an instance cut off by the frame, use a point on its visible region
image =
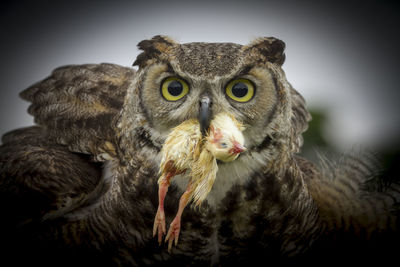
(81, 186)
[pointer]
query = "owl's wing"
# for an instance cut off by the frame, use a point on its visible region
(75, 107)
(40, 178)
(40, 182)
(78, 104)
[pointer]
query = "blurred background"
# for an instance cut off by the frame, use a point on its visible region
(342, 56)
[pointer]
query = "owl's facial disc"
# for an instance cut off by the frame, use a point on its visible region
(170, 94)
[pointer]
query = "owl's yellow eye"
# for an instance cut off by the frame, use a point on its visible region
(173, 89)
(240, 90)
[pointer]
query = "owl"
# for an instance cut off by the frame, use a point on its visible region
(80, 187)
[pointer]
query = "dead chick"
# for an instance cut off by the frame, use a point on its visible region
(185, 149)
(177, 156)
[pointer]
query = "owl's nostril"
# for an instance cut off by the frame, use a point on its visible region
(204, 114)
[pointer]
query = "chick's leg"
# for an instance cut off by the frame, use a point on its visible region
(159, 220)
(175, 226)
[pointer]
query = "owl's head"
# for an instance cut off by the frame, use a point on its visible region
(176, 82)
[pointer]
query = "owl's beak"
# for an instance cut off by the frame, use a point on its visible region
(204, 114)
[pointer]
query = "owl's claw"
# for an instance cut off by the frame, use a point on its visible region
(159, 225)
(173, 233)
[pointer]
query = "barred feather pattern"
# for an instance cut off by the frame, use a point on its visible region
(285, 200)
(269, 204)
(84, 99)
(344, 200)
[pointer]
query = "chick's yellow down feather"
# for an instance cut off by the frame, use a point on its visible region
(180, 146)
(186, 149)
(203, 173)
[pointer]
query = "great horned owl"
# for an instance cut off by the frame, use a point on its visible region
(81, 186)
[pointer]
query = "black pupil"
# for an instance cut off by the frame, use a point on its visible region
(240, 90)
(175, 88)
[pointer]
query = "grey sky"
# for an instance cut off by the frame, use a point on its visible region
(342, 56)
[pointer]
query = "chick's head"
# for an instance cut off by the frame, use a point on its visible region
(225, 140)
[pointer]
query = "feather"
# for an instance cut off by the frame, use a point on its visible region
(59, 205)
(203, 172)
(186, 149)
(78, 104)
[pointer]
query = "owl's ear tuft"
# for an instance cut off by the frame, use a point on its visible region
(272, 49)
(157, 47)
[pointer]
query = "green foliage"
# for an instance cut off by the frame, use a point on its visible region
(315, 142)
(314, 138)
